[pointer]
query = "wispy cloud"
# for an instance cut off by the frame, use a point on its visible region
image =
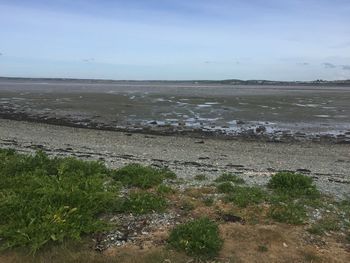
(303, 64)
(346, 67)
(329, 65)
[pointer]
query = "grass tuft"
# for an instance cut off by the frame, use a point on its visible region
(163, 189)
(293, 184)
(225, 187)
(142, 176)
(227, 177)
(324, 225)
(200, 177)
(198, 238)
(290, 213)
(244, 196)
(143, 203)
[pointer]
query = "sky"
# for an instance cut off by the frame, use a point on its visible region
(176, 39)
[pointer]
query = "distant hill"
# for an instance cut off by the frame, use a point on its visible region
(224, 82)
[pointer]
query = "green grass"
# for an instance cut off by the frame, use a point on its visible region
(227, 177)
(293, 185)
(225, 187)
(142, 176)
(45, 200)
(200, 177)
(244, 196)
(324, 225)
(199, 238)
(163, 189)
(290, 213)
(143, 203)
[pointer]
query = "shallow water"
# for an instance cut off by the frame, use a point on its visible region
(184, 106)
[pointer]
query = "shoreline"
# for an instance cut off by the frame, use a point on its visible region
(257, 134)
(256, 161)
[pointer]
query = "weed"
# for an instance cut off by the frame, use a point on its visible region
(45, 200)
(225, 187)
(291, 213)
(208, 201)
(312, 257)
(200, 177)
(198, 238)
(142, 176)
(293, 184)
(244, 196)
(262, 248)
(227, 177)
(324, 225)
(143, 203)
(187, 206)
(163, 189)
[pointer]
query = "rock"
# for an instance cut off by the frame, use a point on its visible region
(260, 129)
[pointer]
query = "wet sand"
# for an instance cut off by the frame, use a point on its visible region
(268, 113)
(328, 164)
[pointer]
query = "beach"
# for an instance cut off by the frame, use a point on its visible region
(328, 164)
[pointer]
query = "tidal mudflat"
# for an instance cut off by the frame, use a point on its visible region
(270, 113)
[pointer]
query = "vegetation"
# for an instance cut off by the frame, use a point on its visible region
(208, 201)
(244, 196)
(46, 200)
(187, 205)
(227, 177)
(290, 213)
(200, 177)
(163, 189)
(57, 201)
(262, 248)
(198, 238)
(293, 184)
(143, 203)
(142, 176)
(324, 225)
(225, 187)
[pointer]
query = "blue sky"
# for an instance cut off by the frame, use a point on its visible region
(182, 39)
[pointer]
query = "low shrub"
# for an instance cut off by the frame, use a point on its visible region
(45, 200)
(293, 184)
(198, 238)
(244, 196)
(142, 176)
(143, 203)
